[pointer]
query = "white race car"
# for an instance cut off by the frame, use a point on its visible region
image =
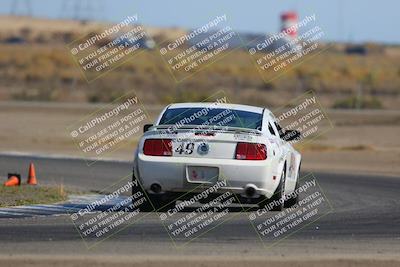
(193, 146)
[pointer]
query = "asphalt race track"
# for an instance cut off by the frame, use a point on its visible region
(365, 218)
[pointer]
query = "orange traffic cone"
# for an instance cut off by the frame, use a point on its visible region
(32, 175)
(13, 179)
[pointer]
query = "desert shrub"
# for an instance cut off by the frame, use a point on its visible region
(353, 102)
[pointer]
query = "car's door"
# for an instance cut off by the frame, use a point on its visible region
(274, 140)
(288, 155)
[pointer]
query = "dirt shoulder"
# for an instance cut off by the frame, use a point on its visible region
(359, 142)
(153, 261)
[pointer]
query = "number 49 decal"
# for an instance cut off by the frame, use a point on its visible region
(185, 148)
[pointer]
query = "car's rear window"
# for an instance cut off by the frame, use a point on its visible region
(211, 116)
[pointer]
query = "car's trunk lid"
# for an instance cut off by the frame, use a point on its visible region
(210, 142)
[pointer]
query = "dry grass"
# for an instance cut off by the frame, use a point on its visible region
(357, 148)
(46, 71)
(27, 195)
(315, 147)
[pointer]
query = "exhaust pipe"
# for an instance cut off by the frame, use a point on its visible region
(250, 190)
(156, 188)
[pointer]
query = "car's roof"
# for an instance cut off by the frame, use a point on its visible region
(217, 105)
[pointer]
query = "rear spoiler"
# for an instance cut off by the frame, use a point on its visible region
(206, 128)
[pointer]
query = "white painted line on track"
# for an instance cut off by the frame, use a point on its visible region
(73, 204)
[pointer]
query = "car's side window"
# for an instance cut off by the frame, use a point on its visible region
(271, 130)
(279, 128)
(271, 126)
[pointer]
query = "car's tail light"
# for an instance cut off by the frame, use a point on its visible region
(157, 147)
(251, 151)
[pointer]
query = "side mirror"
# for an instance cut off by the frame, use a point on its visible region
(146, 127)
(291, 135)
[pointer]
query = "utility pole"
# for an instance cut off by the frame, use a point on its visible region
(82, 10)
(25, 5)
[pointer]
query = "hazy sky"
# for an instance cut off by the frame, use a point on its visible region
(341, 20)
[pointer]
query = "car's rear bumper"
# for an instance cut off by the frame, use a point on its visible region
(170, 173)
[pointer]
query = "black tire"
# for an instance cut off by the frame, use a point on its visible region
(159, 202)
(279, 192)
(146, 206)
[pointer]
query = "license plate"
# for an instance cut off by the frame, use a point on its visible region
(196, 174)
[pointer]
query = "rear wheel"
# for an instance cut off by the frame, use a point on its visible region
(275, 203)
(161, 202)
